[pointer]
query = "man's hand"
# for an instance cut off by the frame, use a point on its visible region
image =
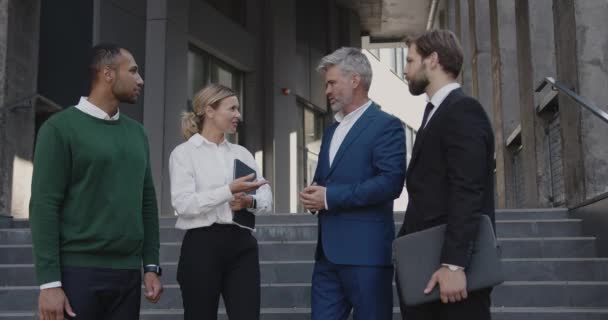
(153, 287)
(244, 184)
(51, 304)
(452, 285)
(313, 198)
(241, 201)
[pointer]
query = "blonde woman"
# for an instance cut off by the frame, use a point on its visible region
(217, 256)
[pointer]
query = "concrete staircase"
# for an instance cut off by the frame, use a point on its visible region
(553, 272)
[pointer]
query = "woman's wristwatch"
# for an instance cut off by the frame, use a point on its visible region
(254, 203)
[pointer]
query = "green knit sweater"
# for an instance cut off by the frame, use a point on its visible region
(93, 201)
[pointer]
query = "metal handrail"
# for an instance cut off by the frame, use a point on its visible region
(560, 87)
(30, 102)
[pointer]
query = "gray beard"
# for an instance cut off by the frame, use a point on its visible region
(337, 107)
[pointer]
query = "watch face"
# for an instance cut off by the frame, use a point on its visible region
(156, 269)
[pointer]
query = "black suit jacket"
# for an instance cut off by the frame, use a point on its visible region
(450, 178)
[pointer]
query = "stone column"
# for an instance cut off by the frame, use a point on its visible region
(566, 54)
(592, 53)
(542, 49)
(499, 140)
(483, 59)
(472, 46)
(165, 94)
(526, 101)
(284, 120)
(464, 35)
(19, 34)
(508, 81)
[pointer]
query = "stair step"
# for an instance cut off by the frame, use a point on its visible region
(551, 247)
(509, 214)
(552, 271)
(564, 269)
(553, 313)
(308, 231)
(290, 295)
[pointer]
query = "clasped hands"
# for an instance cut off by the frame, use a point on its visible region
(239, 188)
(313, 198)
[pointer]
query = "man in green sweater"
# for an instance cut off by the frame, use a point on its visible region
(93, 211)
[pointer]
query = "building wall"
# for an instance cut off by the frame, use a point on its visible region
(66, 36)
(123, 23)
(392, 94)
(276, 48)
(592, 52)
(533, 42)
(19, 35)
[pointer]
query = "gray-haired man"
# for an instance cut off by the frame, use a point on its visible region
(360, 172)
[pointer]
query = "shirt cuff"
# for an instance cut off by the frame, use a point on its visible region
(225, 194)
(54, 284)
(326, 206)
(452, 265)
(253, 210)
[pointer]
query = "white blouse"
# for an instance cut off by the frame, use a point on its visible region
(201, 172)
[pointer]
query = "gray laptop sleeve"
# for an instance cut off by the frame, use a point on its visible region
(417, 256)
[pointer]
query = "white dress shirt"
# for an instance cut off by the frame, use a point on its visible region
(346, 122)
(201, 172)
(439, 96)
(344, 126)
(85, 106)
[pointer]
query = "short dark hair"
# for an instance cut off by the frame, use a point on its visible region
(445, 44)
(101, 55)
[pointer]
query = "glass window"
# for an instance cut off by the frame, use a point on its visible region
(204, 69)
(198, 72)
(313, 131)
(399, 68)
(393, 60)
(409, 142)
(385, 56)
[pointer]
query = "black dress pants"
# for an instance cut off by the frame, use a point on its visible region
(102, 294)
(219, 259)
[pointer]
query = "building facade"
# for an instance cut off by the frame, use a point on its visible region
(550, 151)
(267, 51)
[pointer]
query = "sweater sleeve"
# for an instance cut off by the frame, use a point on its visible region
(150, 216)
(52, 163)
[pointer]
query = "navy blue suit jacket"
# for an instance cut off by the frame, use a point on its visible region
(367, 174)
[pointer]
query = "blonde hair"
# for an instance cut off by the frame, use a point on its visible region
(211, 95)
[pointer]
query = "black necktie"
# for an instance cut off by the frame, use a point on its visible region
(427, 112)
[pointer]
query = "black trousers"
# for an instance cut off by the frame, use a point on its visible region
(102, 294)
(219, 259)
(475, 307)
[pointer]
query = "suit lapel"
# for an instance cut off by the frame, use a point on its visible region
(429, 126)
(354, 132)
